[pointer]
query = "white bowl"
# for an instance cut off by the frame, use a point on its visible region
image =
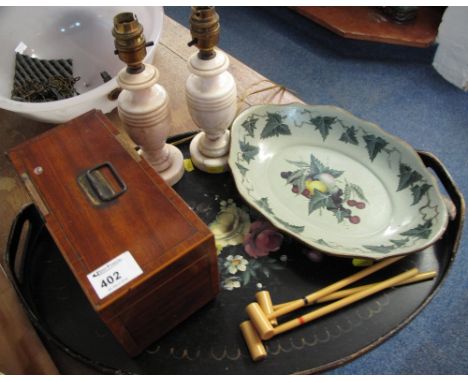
(83, 34)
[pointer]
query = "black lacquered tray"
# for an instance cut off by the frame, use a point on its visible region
(210, 342)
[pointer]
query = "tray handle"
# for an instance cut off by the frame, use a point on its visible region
(14, 261)
(30, 214)
(14, 264)
(454, 193)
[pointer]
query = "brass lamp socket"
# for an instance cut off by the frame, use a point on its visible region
(130, 43)
(204, 28)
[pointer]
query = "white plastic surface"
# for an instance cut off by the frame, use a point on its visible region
(451, 58)
(83, 34)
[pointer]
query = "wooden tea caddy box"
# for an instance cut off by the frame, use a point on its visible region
(143, 258)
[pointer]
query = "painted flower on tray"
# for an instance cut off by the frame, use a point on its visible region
(231, 283)
(235, 263)
(230, 226)
(262, 239)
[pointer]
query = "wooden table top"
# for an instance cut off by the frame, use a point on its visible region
(22, 350)
(368, 23)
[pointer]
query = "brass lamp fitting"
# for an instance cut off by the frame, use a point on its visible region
(130, 43)
(204, 28)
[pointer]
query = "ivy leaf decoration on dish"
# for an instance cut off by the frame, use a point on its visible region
(349, 136)
(380, 248)
(323, 124)
(341, 214)
(317, 201)
(295, 176)
(358, 191)
(323, 242)
(419, 191)
(374, 145)
(274, 126)
(422, 231)
(249, 151)
(243, 170)
(333, 172)
(317, 167)
(400, 243)
(250, 125)
(298, 163)
(264, 205)
(407, 176)
(291, 227)
(347, 192)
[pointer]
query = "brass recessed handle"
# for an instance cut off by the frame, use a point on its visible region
(100, 189)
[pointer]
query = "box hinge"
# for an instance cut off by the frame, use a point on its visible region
(40, 204)
(128, 145)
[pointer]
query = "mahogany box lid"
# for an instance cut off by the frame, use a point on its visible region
(140, 214)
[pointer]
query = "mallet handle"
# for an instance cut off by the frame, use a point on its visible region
(346, 292)
(313, 297)
(344, 302)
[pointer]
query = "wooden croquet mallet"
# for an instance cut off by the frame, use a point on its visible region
(422, 276)
(266, 331)
(255, 312)
(254, 342)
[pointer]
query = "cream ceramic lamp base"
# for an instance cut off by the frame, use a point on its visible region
(212, 102)
(143, 107)
(175, 171)
(210, 164)
(169, 164)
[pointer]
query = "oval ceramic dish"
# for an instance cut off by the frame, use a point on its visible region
(338, 183)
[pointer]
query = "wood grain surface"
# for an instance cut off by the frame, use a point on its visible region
(370, 24)
(171, 57)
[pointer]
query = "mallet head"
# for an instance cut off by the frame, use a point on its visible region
(254, 343)
(264, 300)
(260, 322)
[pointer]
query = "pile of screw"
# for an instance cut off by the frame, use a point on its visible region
(43, 80)
(54, 89)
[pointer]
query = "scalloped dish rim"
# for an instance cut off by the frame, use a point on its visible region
(421, 183)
